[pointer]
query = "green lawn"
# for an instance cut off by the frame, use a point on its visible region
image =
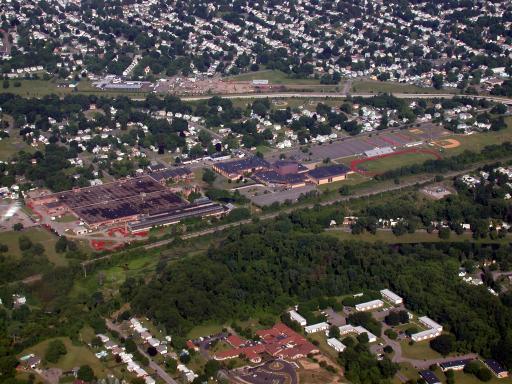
(76, 356)
(12, 145)
(396, 161)
(464, 378)
(66, 219)
(372, 86)
(36, 88)
(419, 351)
(40, 88)
(204, 330)
(478, 141)
(37, 235)
(324, 347)
(352, 179)
(408, 371)
(274, 77)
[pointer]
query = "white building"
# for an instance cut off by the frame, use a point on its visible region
(335, 344)
(323, 326)
(433, 330)
(368, 306)
(294, 315)
(347, 329)
(392, 297)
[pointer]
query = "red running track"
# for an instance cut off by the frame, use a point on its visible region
(354, 164)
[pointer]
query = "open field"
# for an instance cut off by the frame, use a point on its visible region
(464, 378)
(40, 88)
(407, 370)
(363, 86)
(36, 88)
(204, 330)
(384, 164)
(273, 76)
(77, 355)
(420, 351)
(351, 180)
(478, 141)
(12, 145)
(36, 235)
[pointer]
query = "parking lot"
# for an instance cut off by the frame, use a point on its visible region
(348, 147)
(264, 196)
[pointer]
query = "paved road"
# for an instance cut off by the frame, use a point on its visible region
(416, 363)
(157, 368)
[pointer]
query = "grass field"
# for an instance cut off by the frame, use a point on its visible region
(274, 77)
(478, 141)
(371, 86)
(419, 351)
(66, 219)
(352, 179)
(36, 88)
(464, 378)
(40, 88)
(204, 330)
(37, 235)
(77, 355)
(396, 161)
(408, 371)
(12, 145)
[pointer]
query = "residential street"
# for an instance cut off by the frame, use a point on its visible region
(157, 368)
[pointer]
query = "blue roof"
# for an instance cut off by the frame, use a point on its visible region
(495, 366)
(243, 165)
(430, 377)
(329, 171)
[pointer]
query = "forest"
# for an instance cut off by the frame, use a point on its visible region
(265, 268)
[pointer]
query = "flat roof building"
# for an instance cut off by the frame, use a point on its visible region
(378, 151)
(348, 329)
(323, 326)
(434, 329)
(496, 368)
(392, 297)
(238, 168)
(429, 323)
(368, 306)
(456, 365)
(430, 377)
(328, 174)
(335, 344)
(294, 315)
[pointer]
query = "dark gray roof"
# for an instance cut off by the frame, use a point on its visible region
(495, 366)
(329, 171)
(243, 165)
(430, 377)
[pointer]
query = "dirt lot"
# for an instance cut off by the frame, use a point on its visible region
(201, 86)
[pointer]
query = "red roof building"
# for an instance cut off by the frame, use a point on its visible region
(278, 341)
